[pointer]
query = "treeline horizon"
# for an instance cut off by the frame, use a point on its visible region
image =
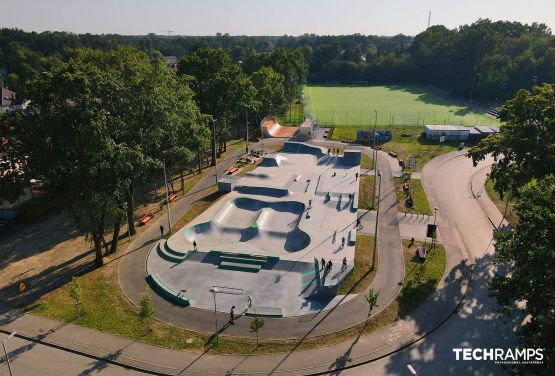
(486, 60)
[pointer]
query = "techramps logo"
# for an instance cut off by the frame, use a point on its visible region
(501, 356)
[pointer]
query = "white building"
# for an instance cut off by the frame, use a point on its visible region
(450, 132)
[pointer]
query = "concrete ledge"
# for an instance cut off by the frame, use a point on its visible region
(166, 292)
(264, 311)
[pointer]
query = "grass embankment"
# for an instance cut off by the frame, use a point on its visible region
(362, 275)
(501, 203)
(421, 277)
(366, 191)
(420, 201)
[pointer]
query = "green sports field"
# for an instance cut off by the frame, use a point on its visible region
(360, 107)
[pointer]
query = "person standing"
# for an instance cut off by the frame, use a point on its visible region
(232, 316)
(194, 245)
(323, 263)
(342, 242)
(161, 231)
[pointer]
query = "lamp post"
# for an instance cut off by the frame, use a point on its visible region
(214, 291)
(375, 163)
(247, 125)
(167, 198)
(377, 218)
(411, 370)
(6, 352)
(215, 152)
(436, 209)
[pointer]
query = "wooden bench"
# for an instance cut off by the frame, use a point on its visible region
(232, 170)
(172, 196)
(392, 154)
(145, 218)
(421, 252)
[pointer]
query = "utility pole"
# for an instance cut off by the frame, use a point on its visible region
(6, 353)
(375, 163)
(214, 290)
(377, 218)
(247, 124)
(215, 149)
(167, 199)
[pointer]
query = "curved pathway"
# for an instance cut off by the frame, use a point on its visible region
(342, 316)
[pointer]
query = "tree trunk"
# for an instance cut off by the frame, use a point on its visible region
(182, 178)
(199, 159)
(115, 237)
(98, 260)
(105, 244)
(130, 209)
(213, 142)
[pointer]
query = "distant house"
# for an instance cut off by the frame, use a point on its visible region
(171, 62)
(8, 99)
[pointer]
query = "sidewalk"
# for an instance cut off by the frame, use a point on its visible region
(436, 310)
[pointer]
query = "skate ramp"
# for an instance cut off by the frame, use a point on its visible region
(272, 226)
(271, 128)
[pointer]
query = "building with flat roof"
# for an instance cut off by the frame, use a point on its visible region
(450, 132)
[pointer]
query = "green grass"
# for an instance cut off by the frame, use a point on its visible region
(366, 191)
(421, 277)
(362, 275)
(395, 105)
(501, 203)
(365, 161)
(421, 204)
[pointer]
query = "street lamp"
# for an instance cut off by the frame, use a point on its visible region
(436, 209)
(377, 217)
(6, 353)
(375, 163)
(167, 198)
(215, 152)
(214, 291)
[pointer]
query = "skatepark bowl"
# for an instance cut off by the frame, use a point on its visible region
(266, 238)
(269, 225)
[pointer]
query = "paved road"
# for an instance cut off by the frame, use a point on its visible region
(447, 183)
(29, 358)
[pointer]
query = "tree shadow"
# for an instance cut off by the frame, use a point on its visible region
(474, 324)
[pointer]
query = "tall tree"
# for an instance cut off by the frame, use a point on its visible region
(525, 147)
(529, 252)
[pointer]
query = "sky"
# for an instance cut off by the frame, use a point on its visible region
(263, 17)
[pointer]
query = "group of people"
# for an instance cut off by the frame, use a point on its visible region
(329, 265)
(332, 151)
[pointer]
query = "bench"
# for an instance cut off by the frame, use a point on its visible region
(392, 154)
(264, 311)
(232, 170)
(355, 201)
(172, 196)
(145, 218)
(175, 297)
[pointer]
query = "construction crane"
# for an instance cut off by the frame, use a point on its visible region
(166, 31)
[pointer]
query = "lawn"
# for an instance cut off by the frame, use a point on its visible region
(362, 275)
(390, 105)
(421, 204)
(421, 277)
(501, 203)
(366, 192)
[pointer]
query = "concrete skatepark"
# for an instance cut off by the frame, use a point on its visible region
(262, 243)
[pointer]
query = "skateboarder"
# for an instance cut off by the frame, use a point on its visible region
(356, 176)
(329, 266)
(194, 245)
(161, 231)
(323, 263)
(343, 242)
(232, 316)
(344, 266)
